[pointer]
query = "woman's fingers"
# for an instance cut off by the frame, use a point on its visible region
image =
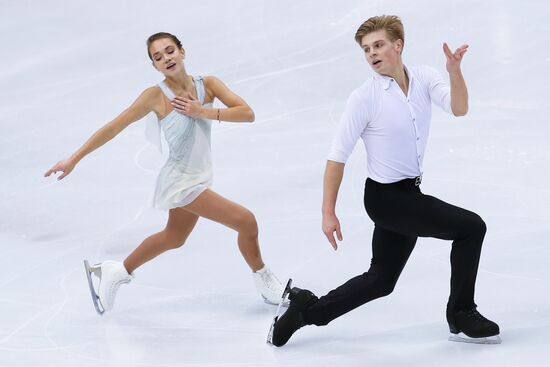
(187, 97)
(180, 104)
(54, 169)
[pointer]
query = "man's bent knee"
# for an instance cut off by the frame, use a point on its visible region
(476, 226)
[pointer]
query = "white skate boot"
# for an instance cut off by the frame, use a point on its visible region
(268, 285)
(111, 275)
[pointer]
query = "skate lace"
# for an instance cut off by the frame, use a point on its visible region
(474, 314)
(113, 287)
(270, 280)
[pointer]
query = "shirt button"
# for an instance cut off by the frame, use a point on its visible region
(417, 138)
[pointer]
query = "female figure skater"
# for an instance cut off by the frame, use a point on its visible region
(183, 105)
(391, 113)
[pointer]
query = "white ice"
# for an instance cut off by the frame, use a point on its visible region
(67, 67)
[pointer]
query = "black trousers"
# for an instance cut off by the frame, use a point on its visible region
(402, 213)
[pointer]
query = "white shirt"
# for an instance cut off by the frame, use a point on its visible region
(394, 127)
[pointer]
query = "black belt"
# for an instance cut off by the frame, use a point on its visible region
(407, 182)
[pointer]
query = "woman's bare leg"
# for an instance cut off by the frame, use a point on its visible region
(215, 207)
(179, 226)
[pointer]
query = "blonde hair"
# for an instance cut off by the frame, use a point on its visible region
(389, 23)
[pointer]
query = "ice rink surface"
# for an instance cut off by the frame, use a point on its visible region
(67, 67)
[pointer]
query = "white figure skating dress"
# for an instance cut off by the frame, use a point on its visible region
(188, 169)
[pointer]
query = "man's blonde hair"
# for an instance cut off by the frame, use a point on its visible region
(389, 23)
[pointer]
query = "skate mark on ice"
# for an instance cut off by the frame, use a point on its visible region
(293, 68)
(481, 183)
(60, 306)
(27, 322)
(61, 255)
(56, 308)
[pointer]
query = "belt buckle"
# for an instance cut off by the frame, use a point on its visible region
(418, 181)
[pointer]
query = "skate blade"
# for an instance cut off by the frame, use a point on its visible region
(284, 305)
(278, 312)
(270, 333)
(463, 338)
(95, 298)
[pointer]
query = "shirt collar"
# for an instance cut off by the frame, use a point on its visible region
(386, 81)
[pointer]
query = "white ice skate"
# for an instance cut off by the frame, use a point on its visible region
(268, 285)
(111, 275)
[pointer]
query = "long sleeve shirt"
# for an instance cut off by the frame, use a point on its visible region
(394, 127)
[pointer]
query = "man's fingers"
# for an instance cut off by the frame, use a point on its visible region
(333, 243)
(447, 50)
(339, 234)
(457, 55)
(331, 239)
(461, 50)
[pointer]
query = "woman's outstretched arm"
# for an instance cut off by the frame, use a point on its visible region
(144, 104)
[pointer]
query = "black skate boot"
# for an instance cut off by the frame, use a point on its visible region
(472, 327)
(293, 318)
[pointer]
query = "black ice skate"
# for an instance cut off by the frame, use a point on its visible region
(282, 303)
(293, 319)
(472, 327)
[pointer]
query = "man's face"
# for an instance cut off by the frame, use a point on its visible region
(382, 54)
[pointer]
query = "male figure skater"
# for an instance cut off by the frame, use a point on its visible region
(391, 113)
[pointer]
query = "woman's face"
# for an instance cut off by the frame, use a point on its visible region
(167, 57)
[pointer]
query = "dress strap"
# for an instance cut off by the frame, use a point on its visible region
(199, 85)
(167, 91)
